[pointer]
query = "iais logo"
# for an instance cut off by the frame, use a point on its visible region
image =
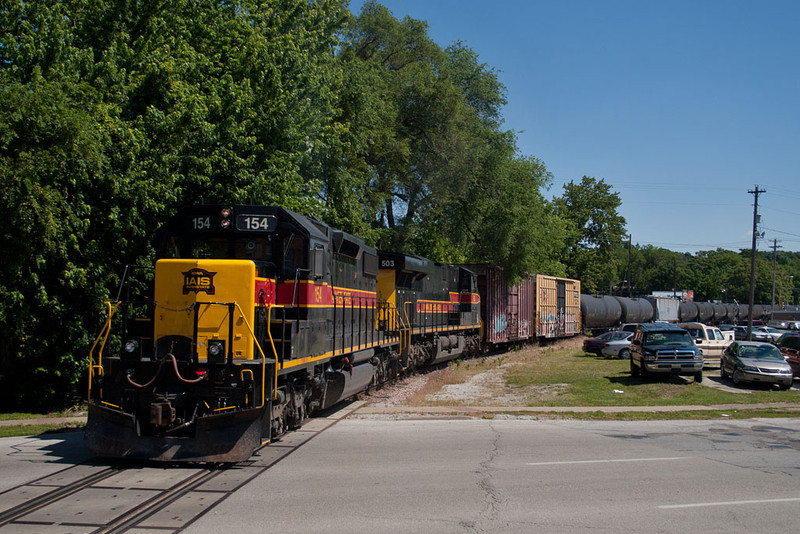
(197, 280)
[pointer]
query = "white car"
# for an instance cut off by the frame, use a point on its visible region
(766, 333)
(618, 348)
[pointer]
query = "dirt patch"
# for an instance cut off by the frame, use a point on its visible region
(475, 382)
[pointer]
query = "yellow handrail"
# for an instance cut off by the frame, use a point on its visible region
(274, 350)
(402, 328)
(263, 356)
(408, 322)
(104, 332)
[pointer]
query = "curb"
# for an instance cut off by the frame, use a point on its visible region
(467, 410)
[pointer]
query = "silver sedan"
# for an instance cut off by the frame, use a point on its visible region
(750, 361)
(618, 348)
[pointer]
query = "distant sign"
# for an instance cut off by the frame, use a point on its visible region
(684, 294)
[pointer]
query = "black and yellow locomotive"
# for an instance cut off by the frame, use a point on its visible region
(258, 317)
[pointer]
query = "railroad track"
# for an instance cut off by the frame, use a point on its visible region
(103, 498)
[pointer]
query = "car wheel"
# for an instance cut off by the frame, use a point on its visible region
(784, 387)
(737, 377)
(698, 377)
(643, 371)
(625, 354)
(634, 369)
(722, 372)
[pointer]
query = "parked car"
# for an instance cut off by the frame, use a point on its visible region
(753, 361)
(789, 345)
(766, 333)
(760, 333)
(710, 339)
(619, 347)
(594, 345)
(663, 348)
(740, 333)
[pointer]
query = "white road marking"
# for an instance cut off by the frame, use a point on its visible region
(618, 460)
(727, 503)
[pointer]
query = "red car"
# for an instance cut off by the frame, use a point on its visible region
(594, 345)
(789, 345)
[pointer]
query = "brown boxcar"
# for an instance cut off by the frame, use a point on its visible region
(538, 306)
(558, 306)
(494, 303)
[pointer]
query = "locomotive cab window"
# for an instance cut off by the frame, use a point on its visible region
(293, 255)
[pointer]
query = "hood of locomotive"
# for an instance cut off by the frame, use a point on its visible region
(210, 292)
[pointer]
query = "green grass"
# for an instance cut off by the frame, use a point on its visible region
(35, 430)
(69, 412)
(591, 381)
(40, 428)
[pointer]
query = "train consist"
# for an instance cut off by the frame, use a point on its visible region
(256, 317)
(605, 312)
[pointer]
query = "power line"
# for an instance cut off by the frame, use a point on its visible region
(780, 231)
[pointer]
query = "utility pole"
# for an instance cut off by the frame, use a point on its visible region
(755, 192)
(630, 237)
(775, 248)
(674, 278)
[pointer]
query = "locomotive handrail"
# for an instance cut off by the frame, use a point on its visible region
(275, 352)
(258, 346)
(408, 322)
(403, 327)
(263, 357)
(104, 332)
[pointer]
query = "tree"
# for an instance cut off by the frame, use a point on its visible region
(594, 229)
(437, 175)
(114, 112)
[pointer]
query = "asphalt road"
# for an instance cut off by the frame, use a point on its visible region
(376, 474)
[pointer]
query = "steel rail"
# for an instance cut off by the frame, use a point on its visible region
(52, 496)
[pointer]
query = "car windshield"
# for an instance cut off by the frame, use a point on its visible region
(760, 352)
(668, 338)
(620, 335)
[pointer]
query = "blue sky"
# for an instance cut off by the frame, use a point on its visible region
(681, 106)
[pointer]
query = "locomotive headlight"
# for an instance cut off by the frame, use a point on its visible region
(215, 348)
(225, 214)
(131, 346)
